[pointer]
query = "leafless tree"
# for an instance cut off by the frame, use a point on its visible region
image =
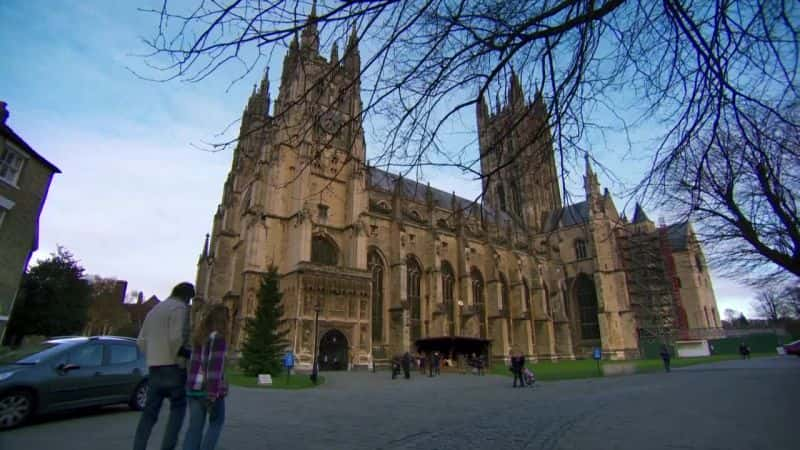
(770, 304)
(688, 69)
(792, 297)
(741, 184)
(731, 315)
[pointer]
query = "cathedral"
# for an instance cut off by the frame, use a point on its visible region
(374, 265)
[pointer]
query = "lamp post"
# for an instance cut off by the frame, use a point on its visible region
(314, 368)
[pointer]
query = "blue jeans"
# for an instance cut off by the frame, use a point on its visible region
(164, 382)
(199, 408)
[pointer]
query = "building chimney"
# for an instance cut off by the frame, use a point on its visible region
(3, 112)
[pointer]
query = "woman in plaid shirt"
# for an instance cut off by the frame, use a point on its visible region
(205, 384)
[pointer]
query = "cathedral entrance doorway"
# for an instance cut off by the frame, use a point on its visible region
(333, 350)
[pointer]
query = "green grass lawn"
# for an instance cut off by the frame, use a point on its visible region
(296, 381)
(587, 368)
(656, 365)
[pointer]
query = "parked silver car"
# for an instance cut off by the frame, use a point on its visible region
(70, 372)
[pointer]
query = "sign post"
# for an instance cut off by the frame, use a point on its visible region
(597, 355)
(288, 362)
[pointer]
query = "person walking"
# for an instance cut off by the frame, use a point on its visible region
(407, 365)
(164, 341)
(437, 364)
(516, 369)
(205, 384)
(744, 350)
(395, 366)
(665, 356)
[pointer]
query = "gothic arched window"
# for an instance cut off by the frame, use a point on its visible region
(580, 249)
(503, 304)
(587, 305)
(546, 292)
(375, 264)
(324, 251)
(526, 296)
(477, 296)
(413, 276)
(448, 285)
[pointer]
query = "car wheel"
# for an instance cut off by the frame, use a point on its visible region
(139, 398)
(15, 408)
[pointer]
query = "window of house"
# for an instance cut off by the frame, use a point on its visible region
(580, 249)
(699, 263)
(10, 164)
(5, 206)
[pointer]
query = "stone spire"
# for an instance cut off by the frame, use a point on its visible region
(639, 215)
(335, 53)
(205, 246)
(539, 107)
(482, 109)
(310, 36)
(261, 99)
(429, 195)
(591, 186)
(515, 94)
(352, 58)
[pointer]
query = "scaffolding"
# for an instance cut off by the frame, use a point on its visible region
(650, 274)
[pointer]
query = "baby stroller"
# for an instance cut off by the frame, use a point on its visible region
(527, 377)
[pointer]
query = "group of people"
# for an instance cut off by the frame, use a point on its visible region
(432, 362)
(186, 366)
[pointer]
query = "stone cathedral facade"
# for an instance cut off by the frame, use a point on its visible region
(385, 261)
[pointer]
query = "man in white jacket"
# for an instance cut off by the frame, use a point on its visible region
(164, 339)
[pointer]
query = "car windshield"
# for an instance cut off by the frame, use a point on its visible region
(30, 355)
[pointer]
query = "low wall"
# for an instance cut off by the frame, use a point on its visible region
(622, 368)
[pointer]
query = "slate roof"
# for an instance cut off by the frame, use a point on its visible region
(575, 214)
(380, 180)
(9, 134)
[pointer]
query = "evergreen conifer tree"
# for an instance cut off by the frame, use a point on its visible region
(264, 346)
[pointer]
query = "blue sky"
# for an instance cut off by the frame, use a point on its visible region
(136, 197)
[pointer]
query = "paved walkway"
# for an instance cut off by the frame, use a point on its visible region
(728, 405)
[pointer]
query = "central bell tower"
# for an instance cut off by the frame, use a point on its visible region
(517, 161)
